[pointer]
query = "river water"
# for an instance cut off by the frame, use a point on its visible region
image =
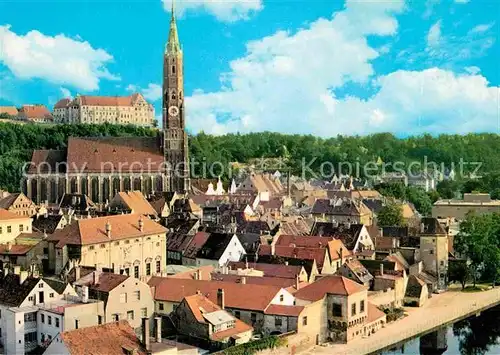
(472, 336)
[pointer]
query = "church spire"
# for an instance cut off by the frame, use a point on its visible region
(173, 44)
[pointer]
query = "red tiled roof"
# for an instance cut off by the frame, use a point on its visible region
(136, 201)
(107, 100)
(106, 339)
(317, 254)
(7, 215)
(196, 244)
(115, 154)
(197, 301)
(254, 280)
(272, 270)
(63, 103)
(47, 161)
(190, 274)
(335, 285)
(35, 111)
(236, 295)
(239, 327)
(93, 231)
(374, 313)
(10, 110)
(107, 281)
(281, 310)
(15, 249)
(334, 245)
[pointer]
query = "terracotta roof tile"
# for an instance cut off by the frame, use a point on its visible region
(10, 110)
(136, 202)
(63, 103)
(236, 295)
(115, 154)
(205, 272)
(106, 339)
(47, 161)
(15, 249)
(271, 270)
(7, 215)
(281, 310)
(196, 244)
(86, 100)
(333, 245)
(254, 280)
(317, 254)
(35, 112)
(93, 231)
(374, 313)
(335, 285)
(107, 281)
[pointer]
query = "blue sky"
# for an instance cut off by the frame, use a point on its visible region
(319, 67)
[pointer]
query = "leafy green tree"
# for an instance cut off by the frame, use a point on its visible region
(448, 189)
(391, 215)
(458, 270)
(479, 241)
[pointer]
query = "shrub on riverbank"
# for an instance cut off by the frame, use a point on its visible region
(394, 313)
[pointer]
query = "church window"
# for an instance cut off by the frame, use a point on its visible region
(173, 69)
(173, 97)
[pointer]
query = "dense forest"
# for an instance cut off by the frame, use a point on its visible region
(296, 151)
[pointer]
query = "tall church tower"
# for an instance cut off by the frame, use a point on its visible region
(175, 137)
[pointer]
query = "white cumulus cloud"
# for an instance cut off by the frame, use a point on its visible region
(286, 82)
(434, 34)
(223, 10)
(57, 59)
(65, 92)
(152, 92)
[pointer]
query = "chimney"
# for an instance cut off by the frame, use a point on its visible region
(197, 275)
(246, 262)
(297, 282)
(220, 298)
(141, 224)
(17, 270)
(85, 294)
(158, 329)
(341, 252)
(77, 273)
(286, 263)
(96, 277)
(9, 246)
(381, 268)
(243, 280)
(108, 229)
(23, 275)
(145, 333)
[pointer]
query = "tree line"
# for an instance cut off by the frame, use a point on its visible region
(17, 143)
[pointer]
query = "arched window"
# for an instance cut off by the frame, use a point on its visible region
(173, 69)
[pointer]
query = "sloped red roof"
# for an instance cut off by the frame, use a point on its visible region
(317, 254)
(335, 285)
(109, 339)
(35, 111)
(271, 270)
(93, 231)
(282, 310)
(15, 249)
(10, 110)
(7, 215)
(115, 154)
(236, 295)
(63, 103)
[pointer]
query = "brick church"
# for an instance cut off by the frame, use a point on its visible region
(100, 167)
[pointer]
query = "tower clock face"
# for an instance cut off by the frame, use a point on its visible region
(173, 111)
